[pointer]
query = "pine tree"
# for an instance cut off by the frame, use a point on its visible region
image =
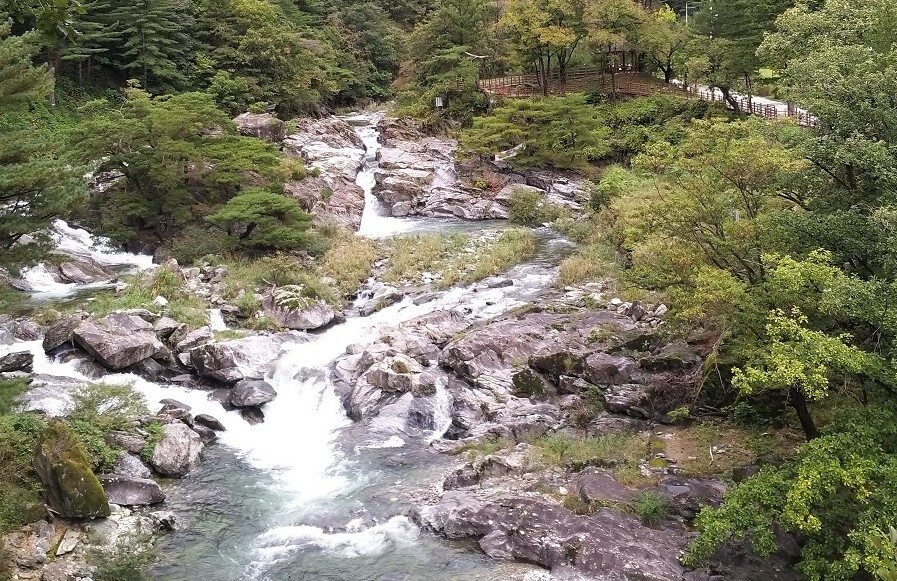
(35, 187)
(93, 33)
(154, 40)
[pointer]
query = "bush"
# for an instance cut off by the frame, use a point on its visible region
(530, 208)
(108, 407)
(183, 305)
(19, 437)
(589, 264)
(10, 390)
(512, 247)
(650, 507)
(350, 261)
(130, 560)
(155, 432)
(100, 454)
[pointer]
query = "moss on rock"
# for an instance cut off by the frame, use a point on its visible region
(71, 489)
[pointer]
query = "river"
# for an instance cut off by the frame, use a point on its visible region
(308, 494)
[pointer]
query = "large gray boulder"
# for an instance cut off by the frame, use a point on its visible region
(236, 360)
(178, 452)
(118, 340)
(17, 361)
(130, 466)
(83, 271)
(261, 125)
(250, 393)
(194, 339)
(314, 316)
(61, 331)
(547, 534)
(130, 491)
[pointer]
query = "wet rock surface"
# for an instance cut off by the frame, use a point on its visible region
(336, 153)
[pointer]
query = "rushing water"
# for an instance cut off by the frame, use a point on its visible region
(308, 495)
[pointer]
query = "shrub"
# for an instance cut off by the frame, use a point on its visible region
(19, 437)
(528, 207)
(590, 263)
(108, 407)
(615, 450)
(10, 390)
(155, 432)
(512, 247)
(350, 261)
(130, 560)
(650, 507)
(100, 454)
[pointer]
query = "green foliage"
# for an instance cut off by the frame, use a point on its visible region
(530, 208)
(650, 507)
(181, 158)
(19, 436)
(155, 432)
(92, 438)
(183, 305)
(259, 220)
(560, 132)
(129, 560)
(839, 492)
(108, 407)
(10, 390)
(35, 185)
(617, 450)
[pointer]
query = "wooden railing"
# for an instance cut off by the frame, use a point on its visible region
(634, 84)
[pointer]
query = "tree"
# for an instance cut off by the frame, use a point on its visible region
(839, 62)
(180, 156)
(561, 132)
(664, 38)
(717, 186)
(838, 493)
(544, 34)
(35, 186)
(727, 34)
(614, 26)
(154, 40)
(259, 220)
(92, 37)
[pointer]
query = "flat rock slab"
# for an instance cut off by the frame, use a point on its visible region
(130, 491)
(119, 340)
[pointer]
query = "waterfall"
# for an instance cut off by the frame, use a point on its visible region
(216, 320)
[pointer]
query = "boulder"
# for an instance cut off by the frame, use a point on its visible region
(236, 360)
(83, 272)
(130, 491)
(549, 535)
(18, 361)
(178, 452)
(61, 331)
(507, 462)
(250, 393)
(29, 331)
(131, 466)
(333, 148)
(315, 316)
(194, 339)
(210, 422)
(70, 488)
(133, 443)
(165, 327)
(261, 125)
(118, 340)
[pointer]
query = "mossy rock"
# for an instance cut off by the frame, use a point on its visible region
(558, 364)
(528, 383)
(71, 489)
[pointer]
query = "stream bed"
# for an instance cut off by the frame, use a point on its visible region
(308, 494)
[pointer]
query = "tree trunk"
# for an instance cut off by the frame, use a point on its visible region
(799, 403)
(727, 96)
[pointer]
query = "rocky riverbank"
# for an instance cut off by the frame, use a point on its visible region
(554, 410)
